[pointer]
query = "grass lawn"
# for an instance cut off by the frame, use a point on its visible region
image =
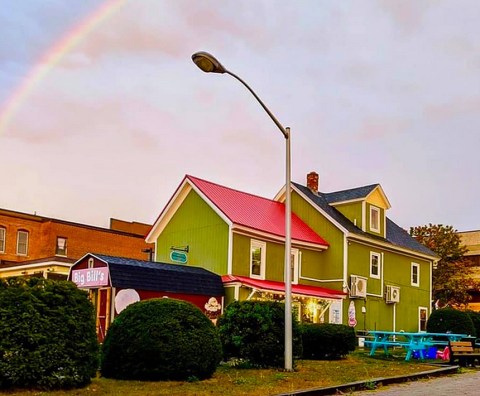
(233, 381)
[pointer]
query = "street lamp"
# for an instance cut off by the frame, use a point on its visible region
(209, 64)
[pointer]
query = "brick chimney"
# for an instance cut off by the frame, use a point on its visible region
(312, 182)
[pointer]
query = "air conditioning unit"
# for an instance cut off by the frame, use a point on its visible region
(358, 286)
(393, 294)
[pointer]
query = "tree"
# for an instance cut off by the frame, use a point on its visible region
(451, 278)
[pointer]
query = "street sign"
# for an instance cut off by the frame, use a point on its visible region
(178, 257)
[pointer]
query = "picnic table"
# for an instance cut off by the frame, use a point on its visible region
(411, 342)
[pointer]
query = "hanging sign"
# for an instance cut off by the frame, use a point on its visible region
(178, 257)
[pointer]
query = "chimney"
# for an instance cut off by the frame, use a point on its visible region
(312, 182)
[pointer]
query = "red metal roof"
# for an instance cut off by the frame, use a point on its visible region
(255, 212)
(267, 285)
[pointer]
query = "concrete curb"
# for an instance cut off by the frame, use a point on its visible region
(369, 384)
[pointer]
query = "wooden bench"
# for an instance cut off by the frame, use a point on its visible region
(464, 352)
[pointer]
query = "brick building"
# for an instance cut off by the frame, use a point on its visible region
(32, 245)
(471, 239)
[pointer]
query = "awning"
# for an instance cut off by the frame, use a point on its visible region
(272, 286)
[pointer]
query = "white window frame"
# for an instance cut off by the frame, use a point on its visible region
(420, 309)
(26, 233)
(379, 264)
(3, 238)
(57, 247)
(378, 212)
(295, 257)
(417, 266)
(254, 244)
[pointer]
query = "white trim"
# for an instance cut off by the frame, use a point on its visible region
(345, 263)
(25, 232)
(379, 258)
(251, 232)
(230, 251)
(364, 216)
(4, 238)
(388, 246)
(262, 245)
(174, 203)
(419, 317)
(377, 210)
(113, 294)
(35, 265)
(348, 201)
(296, 265)
(382, 193)
(417, 266)
(319, 209)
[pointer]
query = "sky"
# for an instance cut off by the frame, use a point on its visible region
(103, 112)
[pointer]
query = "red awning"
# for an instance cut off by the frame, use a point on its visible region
(265, 285)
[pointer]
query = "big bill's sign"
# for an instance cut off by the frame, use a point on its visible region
(91, 277)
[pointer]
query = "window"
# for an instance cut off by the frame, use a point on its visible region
(422, 318)
(257, 259)
(2, 240)
(415, 274)
(374, 219)
(22, 243)
(61, 249)
(374, 265)
(295, 265)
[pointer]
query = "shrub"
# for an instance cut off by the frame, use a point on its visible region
(475, 316)
(255, 331)
(327, 341)
(161, 339)
(450, 320)
(47, 335)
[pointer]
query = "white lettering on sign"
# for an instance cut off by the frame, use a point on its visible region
(90, 277)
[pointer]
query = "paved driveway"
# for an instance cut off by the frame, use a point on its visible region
(457, 384)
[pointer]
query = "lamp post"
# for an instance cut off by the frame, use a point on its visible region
(209, 64)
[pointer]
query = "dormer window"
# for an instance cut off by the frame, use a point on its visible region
(61, 249)
(374, 219)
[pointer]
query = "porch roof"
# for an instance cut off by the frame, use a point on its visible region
(273, 286)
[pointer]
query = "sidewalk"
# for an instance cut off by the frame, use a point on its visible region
(357, 388)
(467, 384)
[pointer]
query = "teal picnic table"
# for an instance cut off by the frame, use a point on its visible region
(411, 342)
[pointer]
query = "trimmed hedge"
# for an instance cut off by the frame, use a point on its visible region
(161, 339)
(255, 331)
(47, 335)
(450, 320)
(475, 316)
(324, 341)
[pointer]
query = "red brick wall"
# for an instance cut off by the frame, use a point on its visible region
(81, 239)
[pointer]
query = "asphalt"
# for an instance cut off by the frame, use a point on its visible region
(423, 383)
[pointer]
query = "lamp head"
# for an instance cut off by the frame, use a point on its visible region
(207, 62)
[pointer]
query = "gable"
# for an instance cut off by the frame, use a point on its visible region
(378, 198)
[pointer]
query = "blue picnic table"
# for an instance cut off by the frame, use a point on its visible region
(412, 342)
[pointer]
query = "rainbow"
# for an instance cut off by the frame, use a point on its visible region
(52, 57)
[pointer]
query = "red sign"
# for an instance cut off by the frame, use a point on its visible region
(91, 277)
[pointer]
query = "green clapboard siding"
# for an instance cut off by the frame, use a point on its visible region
(352, 211)
(197, 226)
(396, 272)
(312, 268)
(275, 256)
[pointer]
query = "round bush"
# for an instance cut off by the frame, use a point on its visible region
(475, 316)
(327, 341)
(255, 331)
(47, 335)
(450, 320)
(161, 339)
